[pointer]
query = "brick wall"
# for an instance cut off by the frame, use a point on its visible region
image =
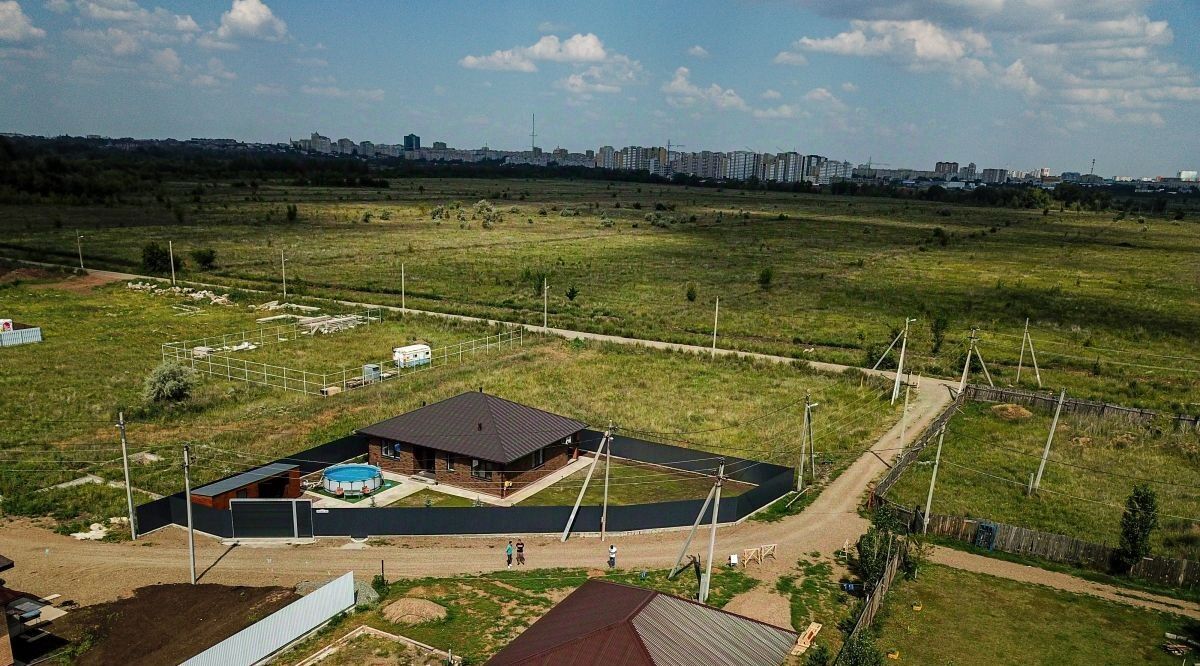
(251, 492)
(458, 472)
(6, 655)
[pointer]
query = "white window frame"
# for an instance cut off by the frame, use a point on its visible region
(481, 469)
(388, 450)
(539, 458)
(449, 462)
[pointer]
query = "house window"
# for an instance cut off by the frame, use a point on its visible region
(389, 450)
(449, 462)
(481, 469)
(539, 458)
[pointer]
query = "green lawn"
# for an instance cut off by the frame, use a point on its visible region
(970, 618)
(101, 343)
(630, 482)
(1086, 453)
(434, 498)
(845, 270)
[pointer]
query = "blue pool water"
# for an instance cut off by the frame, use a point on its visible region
(352, 473)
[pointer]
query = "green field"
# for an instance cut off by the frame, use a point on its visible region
(1112, 304)
(633, 483)
(1093, 466)
(969, 618)
(61, 397)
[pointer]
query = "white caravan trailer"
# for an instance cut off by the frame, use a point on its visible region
(412, 356)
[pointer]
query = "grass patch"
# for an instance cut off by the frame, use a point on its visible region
(429, 497)
(816, 595)
(969, 618)
(631, 482)
(1011, 449)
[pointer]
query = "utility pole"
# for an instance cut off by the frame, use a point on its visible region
(128, 487)
(79, 248)
(1037, 481)
(283, 267)
(812, 443)
(606, 441)
(171, 253)
(712, 537)
(604, 506)
(545, 304)
(403, 302)
(716, 314)
(933, 481)
(904, 414)
(900, 365)
(687, 543)
(962, 385)
(1026, 340)
(187, 500)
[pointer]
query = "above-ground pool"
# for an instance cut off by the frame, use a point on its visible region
(352, 479)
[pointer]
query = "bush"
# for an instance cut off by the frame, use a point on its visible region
(169, 382)
(572, 293)
(818, 656)
(764, 278)
(205, 258)
(292, 212)
(691, 292)
(156, 259)
(861, 651)
(380, 585)
(1138, 521)
(937, 328)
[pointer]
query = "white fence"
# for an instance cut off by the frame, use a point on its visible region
(281, 628)
(20, 336)
(215, 356)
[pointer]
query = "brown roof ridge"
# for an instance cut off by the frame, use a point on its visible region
(722, 610)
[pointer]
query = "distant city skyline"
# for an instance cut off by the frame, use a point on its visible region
(1001, 83)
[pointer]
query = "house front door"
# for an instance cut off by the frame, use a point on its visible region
(425, 459)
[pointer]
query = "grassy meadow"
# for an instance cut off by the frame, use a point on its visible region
(970, 618)
(1093, 466)
(633, 483)
(1108, 301)
(61, 397)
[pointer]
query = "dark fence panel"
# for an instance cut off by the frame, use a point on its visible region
(451, 520)
(153, 515)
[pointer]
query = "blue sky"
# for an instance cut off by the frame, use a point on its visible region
(1006, 83)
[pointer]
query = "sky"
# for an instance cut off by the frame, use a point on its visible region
(1002, 83)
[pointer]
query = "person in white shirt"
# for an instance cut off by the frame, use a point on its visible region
(612, 556)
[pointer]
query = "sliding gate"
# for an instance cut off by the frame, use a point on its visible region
(271, 518)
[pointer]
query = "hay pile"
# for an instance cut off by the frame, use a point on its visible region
(1011, 412)
(410, 610)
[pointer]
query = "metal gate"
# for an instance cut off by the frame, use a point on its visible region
(271, 518)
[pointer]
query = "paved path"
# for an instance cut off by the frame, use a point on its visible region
(1026, 574)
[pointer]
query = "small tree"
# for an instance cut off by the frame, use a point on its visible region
(937, 328)
(572, 293)
(292, 212)
(818, 656)
(872, 550)
(861, 651)
(764, 278)
(157, 259)
(1138, 521)
(205, 258)
(691, 292)
(169, 382)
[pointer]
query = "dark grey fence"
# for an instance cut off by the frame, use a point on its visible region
(771, 482)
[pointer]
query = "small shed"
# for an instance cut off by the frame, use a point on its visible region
(15, 333)
(274, 481)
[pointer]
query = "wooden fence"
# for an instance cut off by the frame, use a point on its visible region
(1057, 548)
(914, 449)
(1047, 401)
(870, 607)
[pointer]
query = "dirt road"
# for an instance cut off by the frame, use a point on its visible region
(1027, 574)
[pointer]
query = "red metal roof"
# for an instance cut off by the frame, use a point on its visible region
(478, 425)
(610, 624)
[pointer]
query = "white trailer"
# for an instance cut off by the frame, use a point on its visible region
(412, 355)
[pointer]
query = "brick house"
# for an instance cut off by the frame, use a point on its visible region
(475, 441)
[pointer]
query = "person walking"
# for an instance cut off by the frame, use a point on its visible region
(520, 553)
(508, 553)
(612, 556)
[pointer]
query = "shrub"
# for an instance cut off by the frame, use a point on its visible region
(818, 656)
(937, 328)
(292, 212)
(205, 258)
(1138, 521)
(764, 278)
(861, 651)
(169, 382)
(572, 293)
(691, 292)
(156, 259)
(380, 585)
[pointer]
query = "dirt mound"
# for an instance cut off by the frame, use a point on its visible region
(1011, 412)
(410, 610)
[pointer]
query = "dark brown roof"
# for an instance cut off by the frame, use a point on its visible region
(610, 624)
(5, 563)
(478, 425)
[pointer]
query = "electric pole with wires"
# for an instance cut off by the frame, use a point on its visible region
(900, 364)
(187, 501)
(128, 487)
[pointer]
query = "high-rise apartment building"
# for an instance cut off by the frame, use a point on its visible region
(995, 176)
(412, 142)
(946, 168)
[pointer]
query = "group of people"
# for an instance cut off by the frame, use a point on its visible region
(518, 549)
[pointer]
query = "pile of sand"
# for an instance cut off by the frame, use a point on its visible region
(1011, 412)
(410, 610)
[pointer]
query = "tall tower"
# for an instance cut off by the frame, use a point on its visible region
(533, 134)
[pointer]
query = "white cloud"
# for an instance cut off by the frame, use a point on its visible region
(57, 6)
(253, 19)
(15, 25)
(790, 58)
(781, 111)
(698, 51)
(577, 84)
(849, 87)
(167, 60)
(771, 94)
(578, 48)
(363, 95)
(917, 41)
(826, 99)
(609, 76)
(135, 16)
(113, 41)
(681, 91)
(269, 89)
(215, 75)
(551, 26)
